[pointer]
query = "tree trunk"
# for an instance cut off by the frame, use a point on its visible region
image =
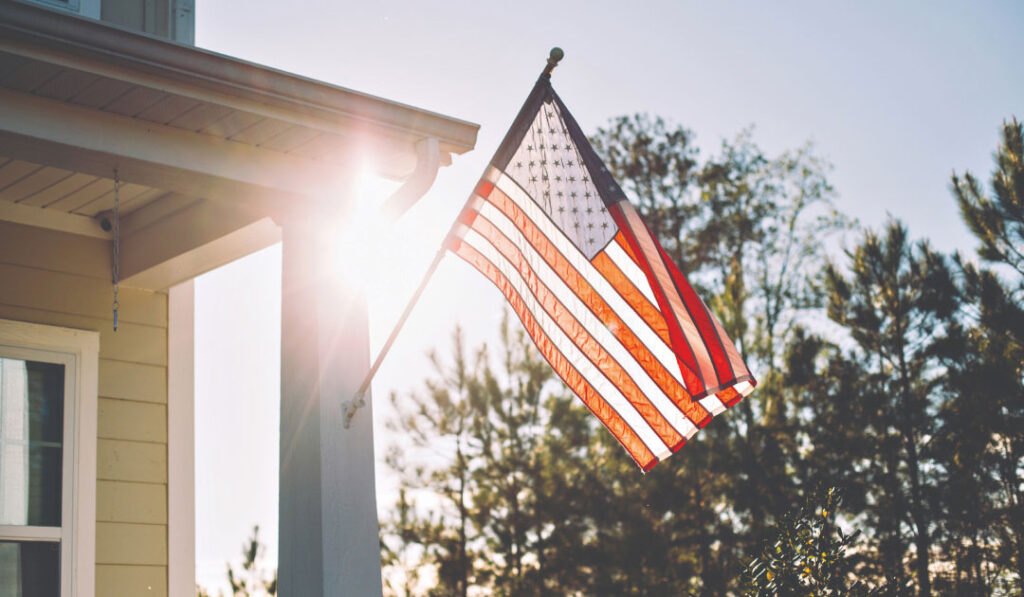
(712, 580)
(1015, 504)
(922, 538)
(463, 516)
(922, 535)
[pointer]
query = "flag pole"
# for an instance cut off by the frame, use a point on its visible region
(349, 407)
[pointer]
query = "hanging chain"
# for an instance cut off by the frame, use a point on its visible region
(117, 242)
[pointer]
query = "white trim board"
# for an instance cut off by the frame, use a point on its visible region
(80, 350)
(181, 476)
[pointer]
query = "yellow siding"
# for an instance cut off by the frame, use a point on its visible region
(121, 501)
(119, 581)
(79, 295)
(137, 544)
(54, 251)
(140, 462)
(132, 420)
(133, 381)
(60, 279)
(133, 343)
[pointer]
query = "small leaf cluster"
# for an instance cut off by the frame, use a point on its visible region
(808, 555)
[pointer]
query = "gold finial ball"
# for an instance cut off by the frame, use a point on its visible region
(556, 54)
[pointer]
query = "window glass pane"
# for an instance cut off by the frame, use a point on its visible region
(29, 569)
(31, 442)
(61, 3)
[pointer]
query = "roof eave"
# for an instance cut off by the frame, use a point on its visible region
(89, 39)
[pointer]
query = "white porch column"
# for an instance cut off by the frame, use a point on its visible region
(329, 537)
(181, 471)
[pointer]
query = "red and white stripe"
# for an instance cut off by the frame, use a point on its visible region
(601, 323)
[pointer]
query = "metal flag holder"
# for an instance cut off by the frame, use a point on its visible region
(358, 400)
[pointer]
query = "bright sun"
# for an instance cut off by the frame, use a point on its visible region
(385, 260)
(379, 256)
(364, 233)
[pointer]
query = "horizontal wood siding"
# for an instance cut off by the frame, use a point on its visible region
(131, 343)
(54, 251)
(133, 381)
(88, 297)
(140, 462)
(131, 544)
(60, 279)
(122, 501)
(119, 581)
(132, 420)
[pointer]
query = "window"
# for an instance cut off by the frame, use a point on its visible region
(47, 460)
(85, 8)
(71, 5)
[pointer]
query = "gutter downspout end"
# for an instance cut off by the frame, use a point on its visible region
(428, 162)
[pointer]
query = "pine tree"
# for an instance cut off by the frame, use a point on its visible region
(910, 402)
(827, 386)
(508, 504)
(894, 305)
(249, 579)
(984, 357)
(504, 480)
(998, 221)
(746, 228)
(443, 423)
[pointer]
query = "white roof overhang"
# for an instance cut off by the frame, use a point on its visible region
(208, 146)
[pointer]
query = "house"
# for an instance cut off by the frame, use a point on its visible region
(131, 162)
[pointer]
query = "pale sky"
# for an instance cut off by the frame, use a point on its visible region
(895, 95)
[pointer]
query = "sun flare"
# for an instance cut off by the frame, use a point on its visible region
(381, 257)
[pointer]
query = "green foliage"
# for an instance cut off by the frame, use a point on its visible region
(982, 440)
(894, 306)
(656, 164)
(483, 426)
(250, 579)
(748, 228)
(807, 555)
(894, 374)
(998, 221)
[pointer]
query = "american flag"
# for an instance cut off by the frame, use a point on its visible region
(596, 292)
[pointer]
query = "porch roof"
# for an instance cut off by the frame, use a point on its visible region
(196, 137)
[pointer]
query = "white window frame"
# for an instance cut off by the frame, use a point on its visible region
(78, 350)
(85, 8)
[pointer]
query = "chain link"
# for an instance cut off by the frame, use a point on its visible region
(117, 242)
